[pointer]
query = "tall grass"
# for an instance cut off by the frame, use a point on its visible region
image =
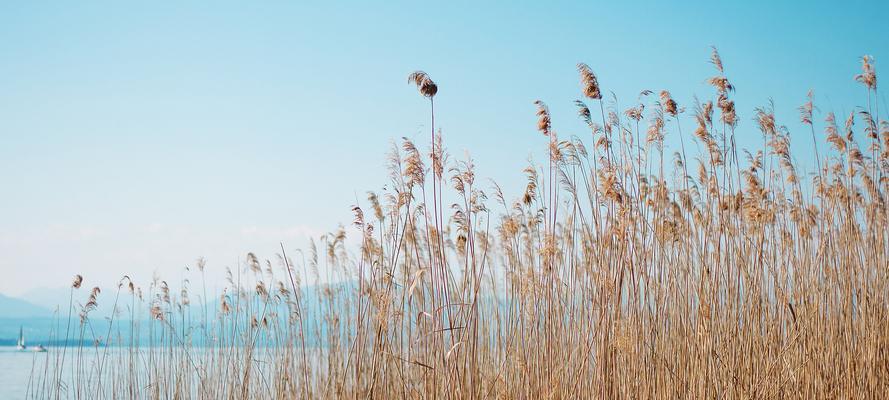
(621, 271)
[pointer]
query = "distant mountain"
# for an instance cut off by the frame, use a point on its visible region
(11, 307)
(58, 299)
(16, 313)
(49, 298)
(47, 322)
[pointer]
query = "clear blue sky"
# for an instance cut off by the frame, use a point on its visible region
(136, 138)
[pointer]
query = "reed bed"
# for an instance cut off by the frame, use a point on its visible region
(621, 271)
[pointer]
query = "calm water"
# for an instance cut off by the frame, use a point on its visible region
(15, 369)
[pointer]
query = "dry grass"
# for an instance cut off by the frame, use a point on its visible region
(620, 272)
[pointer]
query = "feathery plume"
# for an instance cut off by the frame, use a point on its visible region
(544, 123)
(669, 104)
(805, 110)
(868, 77)
(589, 82)
(716, 60)
(424, 83)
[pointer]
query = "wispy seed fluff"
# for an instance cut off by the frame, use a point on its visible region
(424, 83)
(589, 82)
(868, 77)
(670, 106)
(544, 123)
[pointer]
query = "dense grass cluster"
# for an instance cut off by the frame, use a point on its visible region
(620, 272)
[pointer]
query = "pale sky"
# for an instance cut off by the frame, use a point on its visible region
(136, 138)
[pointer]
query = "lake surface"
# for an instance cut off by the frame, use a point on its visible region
(16, 366)
(15, 370)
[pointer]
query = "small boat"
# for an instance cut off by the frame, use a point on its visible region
(39, 349)
(20, 345)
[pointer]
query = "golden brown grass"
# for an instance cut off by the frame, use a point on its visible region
(612, 275)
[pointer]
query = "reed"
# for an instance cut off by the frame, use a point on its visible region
(710, 277)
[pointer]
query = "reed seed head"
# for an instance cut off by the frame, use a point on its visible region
(588, 82)
(424, 83)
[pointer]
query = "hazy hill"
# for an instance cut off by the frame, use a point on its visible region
(49, 298)
(11, 307)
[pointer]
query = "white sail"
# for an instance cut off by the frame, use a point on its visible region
(21, 343)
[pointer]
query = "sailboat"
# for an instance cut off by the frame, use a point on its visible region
(20, 345)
